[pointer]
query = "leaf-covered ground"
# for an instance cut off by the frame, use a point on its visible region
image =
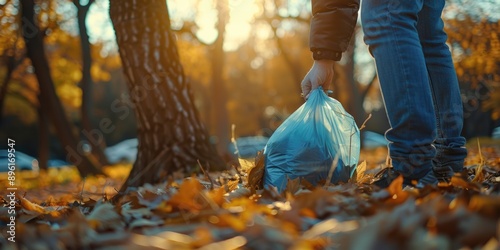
(57, 210)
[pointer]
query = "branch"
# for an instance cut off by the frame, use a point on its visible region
(190, 28)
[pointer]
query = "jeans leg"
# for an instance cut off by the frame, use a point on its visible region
(390, 28)
(451, 151)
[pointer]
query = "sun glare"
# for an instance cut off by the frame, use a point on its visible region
(203, 13)
(241, 14)
(237, 29)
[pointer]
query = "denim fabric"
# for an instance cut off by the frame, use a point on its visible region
(418, 82)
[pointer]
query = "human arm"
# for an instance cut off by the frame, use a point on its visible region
(332, 26)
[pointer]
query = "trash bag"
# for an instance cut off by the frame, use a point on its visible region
(310, 141)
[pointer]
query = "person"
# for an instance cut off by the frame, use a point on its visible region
(418, 81)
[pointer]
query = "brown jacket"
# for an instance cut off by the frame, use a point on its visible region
(332, 26)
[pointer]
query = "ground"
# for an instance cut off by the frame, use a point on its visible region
(58, 210)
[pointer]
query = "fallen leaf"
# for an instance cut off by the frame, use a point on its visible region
(461, 183)
(361, 176)
(145, 223)
(229, 220)
(245, 164)
(104, 217)
(202, 237)
(292, 186)
(217, 196)
(485, 205)
(187, 197)
(30, 207)
(396, 193)
(256, 174)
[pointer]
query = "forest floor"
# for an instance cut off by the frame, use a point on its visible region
(58, 210)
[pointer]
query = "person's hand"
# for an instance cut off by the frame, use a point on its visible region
(320, 74)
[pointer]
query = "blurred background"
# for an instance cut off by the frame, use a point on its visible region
(245, 60)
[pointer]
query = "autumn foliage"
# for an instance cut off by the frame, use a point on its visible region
(59, 209)
(222, 210)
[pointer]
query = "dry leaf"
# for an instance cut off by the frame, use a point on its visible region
(238, 193)
(361, 176)
(184, 215)
(217, 196)
(457, 181)
(256, 174)
(232, 221)
(145, 223)
(105, 217)
(245, 164)
(202, 237)
(292, 186)
(397, 195)
(231, 185)
(476, 230)
(187, 197)
(30, 207)
(485, 205)
(33, 209)
(479, 170)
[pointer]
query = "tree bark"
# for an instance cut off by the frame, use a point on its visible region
(171, 136)
(86, 84)
(35, 51)
(219, 93)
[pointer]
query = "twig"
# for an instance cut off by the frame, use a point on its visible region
(233, 140)
(366, 120)
(209, 201)
(479, 169)
(150, 164)
(330, 172)
(81, 193)
(206, 175)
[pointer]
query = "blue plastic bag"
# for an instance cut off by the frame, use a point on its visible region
(307, 143)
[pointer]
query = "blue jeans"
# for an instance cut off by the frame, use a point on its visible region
(418, 82)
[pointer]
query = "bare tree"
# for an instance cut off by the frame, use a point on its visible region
(48, 98)
(86, 84)
(219, 92)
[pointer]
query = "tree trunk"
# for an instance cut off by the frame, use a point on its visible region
(346, 89)
(35, 51)
(292, 64)
(219, 93)
(354, 104)
(171, 136)
(5, 84)
(96, 140)
(12, 64)
(43, 137)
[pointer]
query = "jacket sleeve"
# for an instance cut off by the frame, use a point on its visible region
(332, 26)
